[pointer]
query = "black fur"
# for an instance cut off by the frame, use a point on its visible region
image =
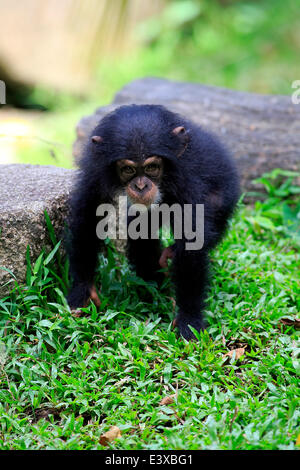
(197, 170)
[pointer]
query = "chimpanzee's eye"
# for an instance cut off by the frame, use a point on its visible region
(128, 170)
(152, 169)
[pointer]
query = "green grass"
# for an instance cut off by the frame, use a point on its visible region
(65, 380)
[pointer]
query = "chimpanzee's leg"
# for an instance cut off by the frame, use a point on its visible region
(190, 278)
(144, 256)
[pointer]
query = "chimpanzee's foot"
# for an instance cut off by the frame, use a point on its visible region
(81, 295)
(183, 321)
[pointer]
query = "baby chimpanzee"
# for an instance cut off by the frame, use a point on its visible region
(161, 160)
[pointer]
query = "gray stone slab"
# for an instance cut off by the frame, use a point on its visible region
(26, 191)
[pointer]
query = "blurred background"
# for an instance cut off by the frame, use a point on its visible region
(61, 59)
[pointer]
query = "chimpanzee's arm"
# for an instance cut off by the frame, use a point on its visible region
(83, 245)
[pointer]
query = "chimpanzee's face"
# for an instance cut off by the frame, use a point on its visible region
(141, 179)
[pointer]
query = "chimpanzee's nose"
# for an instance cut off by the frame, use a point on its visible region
(140, 185)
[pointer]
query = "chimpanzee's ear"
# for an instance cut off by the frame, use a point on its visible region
(97, 139)
(183, 137)
(178, 130)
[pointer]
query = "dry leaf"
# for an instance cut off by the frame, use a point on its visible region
(168, 400)
(109, 436)
(45, 412)
(238, 353)
(123, 381)
(298, 440)
(181, 421)
(77, 312)
(288, 322)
